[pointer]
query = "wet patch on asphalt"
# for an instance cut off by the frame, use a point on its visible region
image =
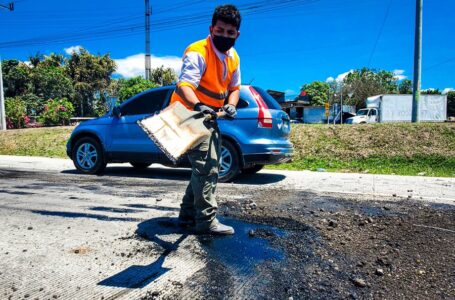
(115, 209)
(248, 247)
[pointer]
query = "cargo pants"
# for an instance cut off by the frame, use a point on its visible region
(199, 200)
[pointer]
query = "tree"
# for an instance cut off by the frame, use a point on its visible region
(317, 92)
(36, 59)
(49, 82)
(54, 60)
(16, 78)
(132, 86)
(405, 87)
(368, 82)
(451, 104)
(163, 76)
(91, 75)
(431, 92)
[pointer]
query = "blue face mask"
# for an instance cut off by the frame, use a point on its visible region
(222, 43)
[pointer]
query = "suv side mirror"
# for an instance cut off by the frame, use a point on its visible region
(116, 112)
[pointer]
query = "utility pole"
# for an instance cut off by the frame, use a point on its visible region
(10, 7)
(148, 64)
(2, 102)
(417, 62)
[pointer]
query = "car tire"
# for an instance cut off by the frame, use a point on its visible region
(252, 170)
(88, 156)
(140, 166)
(229, 162)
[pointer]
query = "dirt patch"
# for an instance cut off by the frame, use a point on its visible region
(339, 248)
(363, 249)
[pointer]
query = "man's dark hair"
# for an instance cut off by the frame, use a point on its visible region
(229, 14)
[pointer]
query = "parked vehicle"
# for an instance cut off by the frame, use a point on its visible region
(398, 108)
(256, 137)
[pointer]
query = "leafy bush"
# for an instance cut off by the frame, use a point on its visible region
(57, 112)
(16, 113)
(133, 86)
(34, 104)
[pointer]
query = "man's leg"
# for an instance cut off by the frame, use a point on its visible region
(204, 178)
(187, 212)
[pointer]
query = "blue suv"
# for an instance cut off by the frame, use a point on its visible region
(256, 137)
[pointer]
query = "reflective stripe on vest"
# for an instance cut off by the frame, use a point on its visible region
(217, 96)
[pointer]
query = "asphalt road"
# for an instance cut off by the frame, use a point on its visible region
(70, 236)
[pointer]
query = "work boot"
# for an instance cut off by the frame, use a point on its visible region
(215, 228)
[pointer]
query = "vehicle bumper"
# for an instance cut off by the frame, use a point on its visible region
(267, 159)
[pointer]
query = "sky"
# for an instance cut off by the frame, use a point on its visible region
(283, 43)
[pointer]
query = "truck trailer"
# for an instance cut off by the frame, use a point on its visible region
(398, 108)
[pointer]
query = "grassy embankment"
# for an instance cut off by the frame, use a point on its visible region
(403, 149)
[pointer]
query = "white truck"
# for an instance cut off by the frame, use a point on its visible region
(398, 108)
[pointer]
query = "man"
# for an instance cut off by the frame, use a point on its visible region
(210, 81)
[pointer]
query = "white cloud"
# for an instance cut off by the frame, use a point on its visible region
(446, 90)
(134, 65)
(339, 78)
(398, 74)
(72, 49)
(343, 75)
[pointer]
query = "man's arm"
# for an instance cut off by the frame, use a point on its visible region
(234, 88)
(233, 97)
(188, 95)
(192, 69)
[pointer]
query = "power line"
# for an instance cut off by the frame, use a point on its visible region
(380, 32)
(176, 22)
(439, 63)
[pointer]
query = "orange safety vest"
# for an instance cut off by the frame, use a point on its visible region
(212, 89)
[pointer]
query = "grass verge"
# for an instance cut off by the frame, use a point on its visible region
(403, 149)
(48, 141)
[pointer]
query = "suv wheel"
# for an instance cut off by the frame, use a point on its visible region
(252, 170)
(139, 165)
(229, 162)
(88, 156)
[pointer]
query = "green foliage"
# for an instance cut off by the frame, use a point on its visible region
(49, 82)
(16, 78)
(405, 87)
(451, 104)
(91, 76)
(36, 59)
(57, 112)
(163, 76)
(430, 92)
(34, 104)
(54, 60)
(317, 92)
(368, 82)
(132, 86)
(16, 112)
(430, 165)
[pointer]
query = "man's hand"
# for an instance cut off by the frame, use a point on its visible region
(204, 108)
(230, 111)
